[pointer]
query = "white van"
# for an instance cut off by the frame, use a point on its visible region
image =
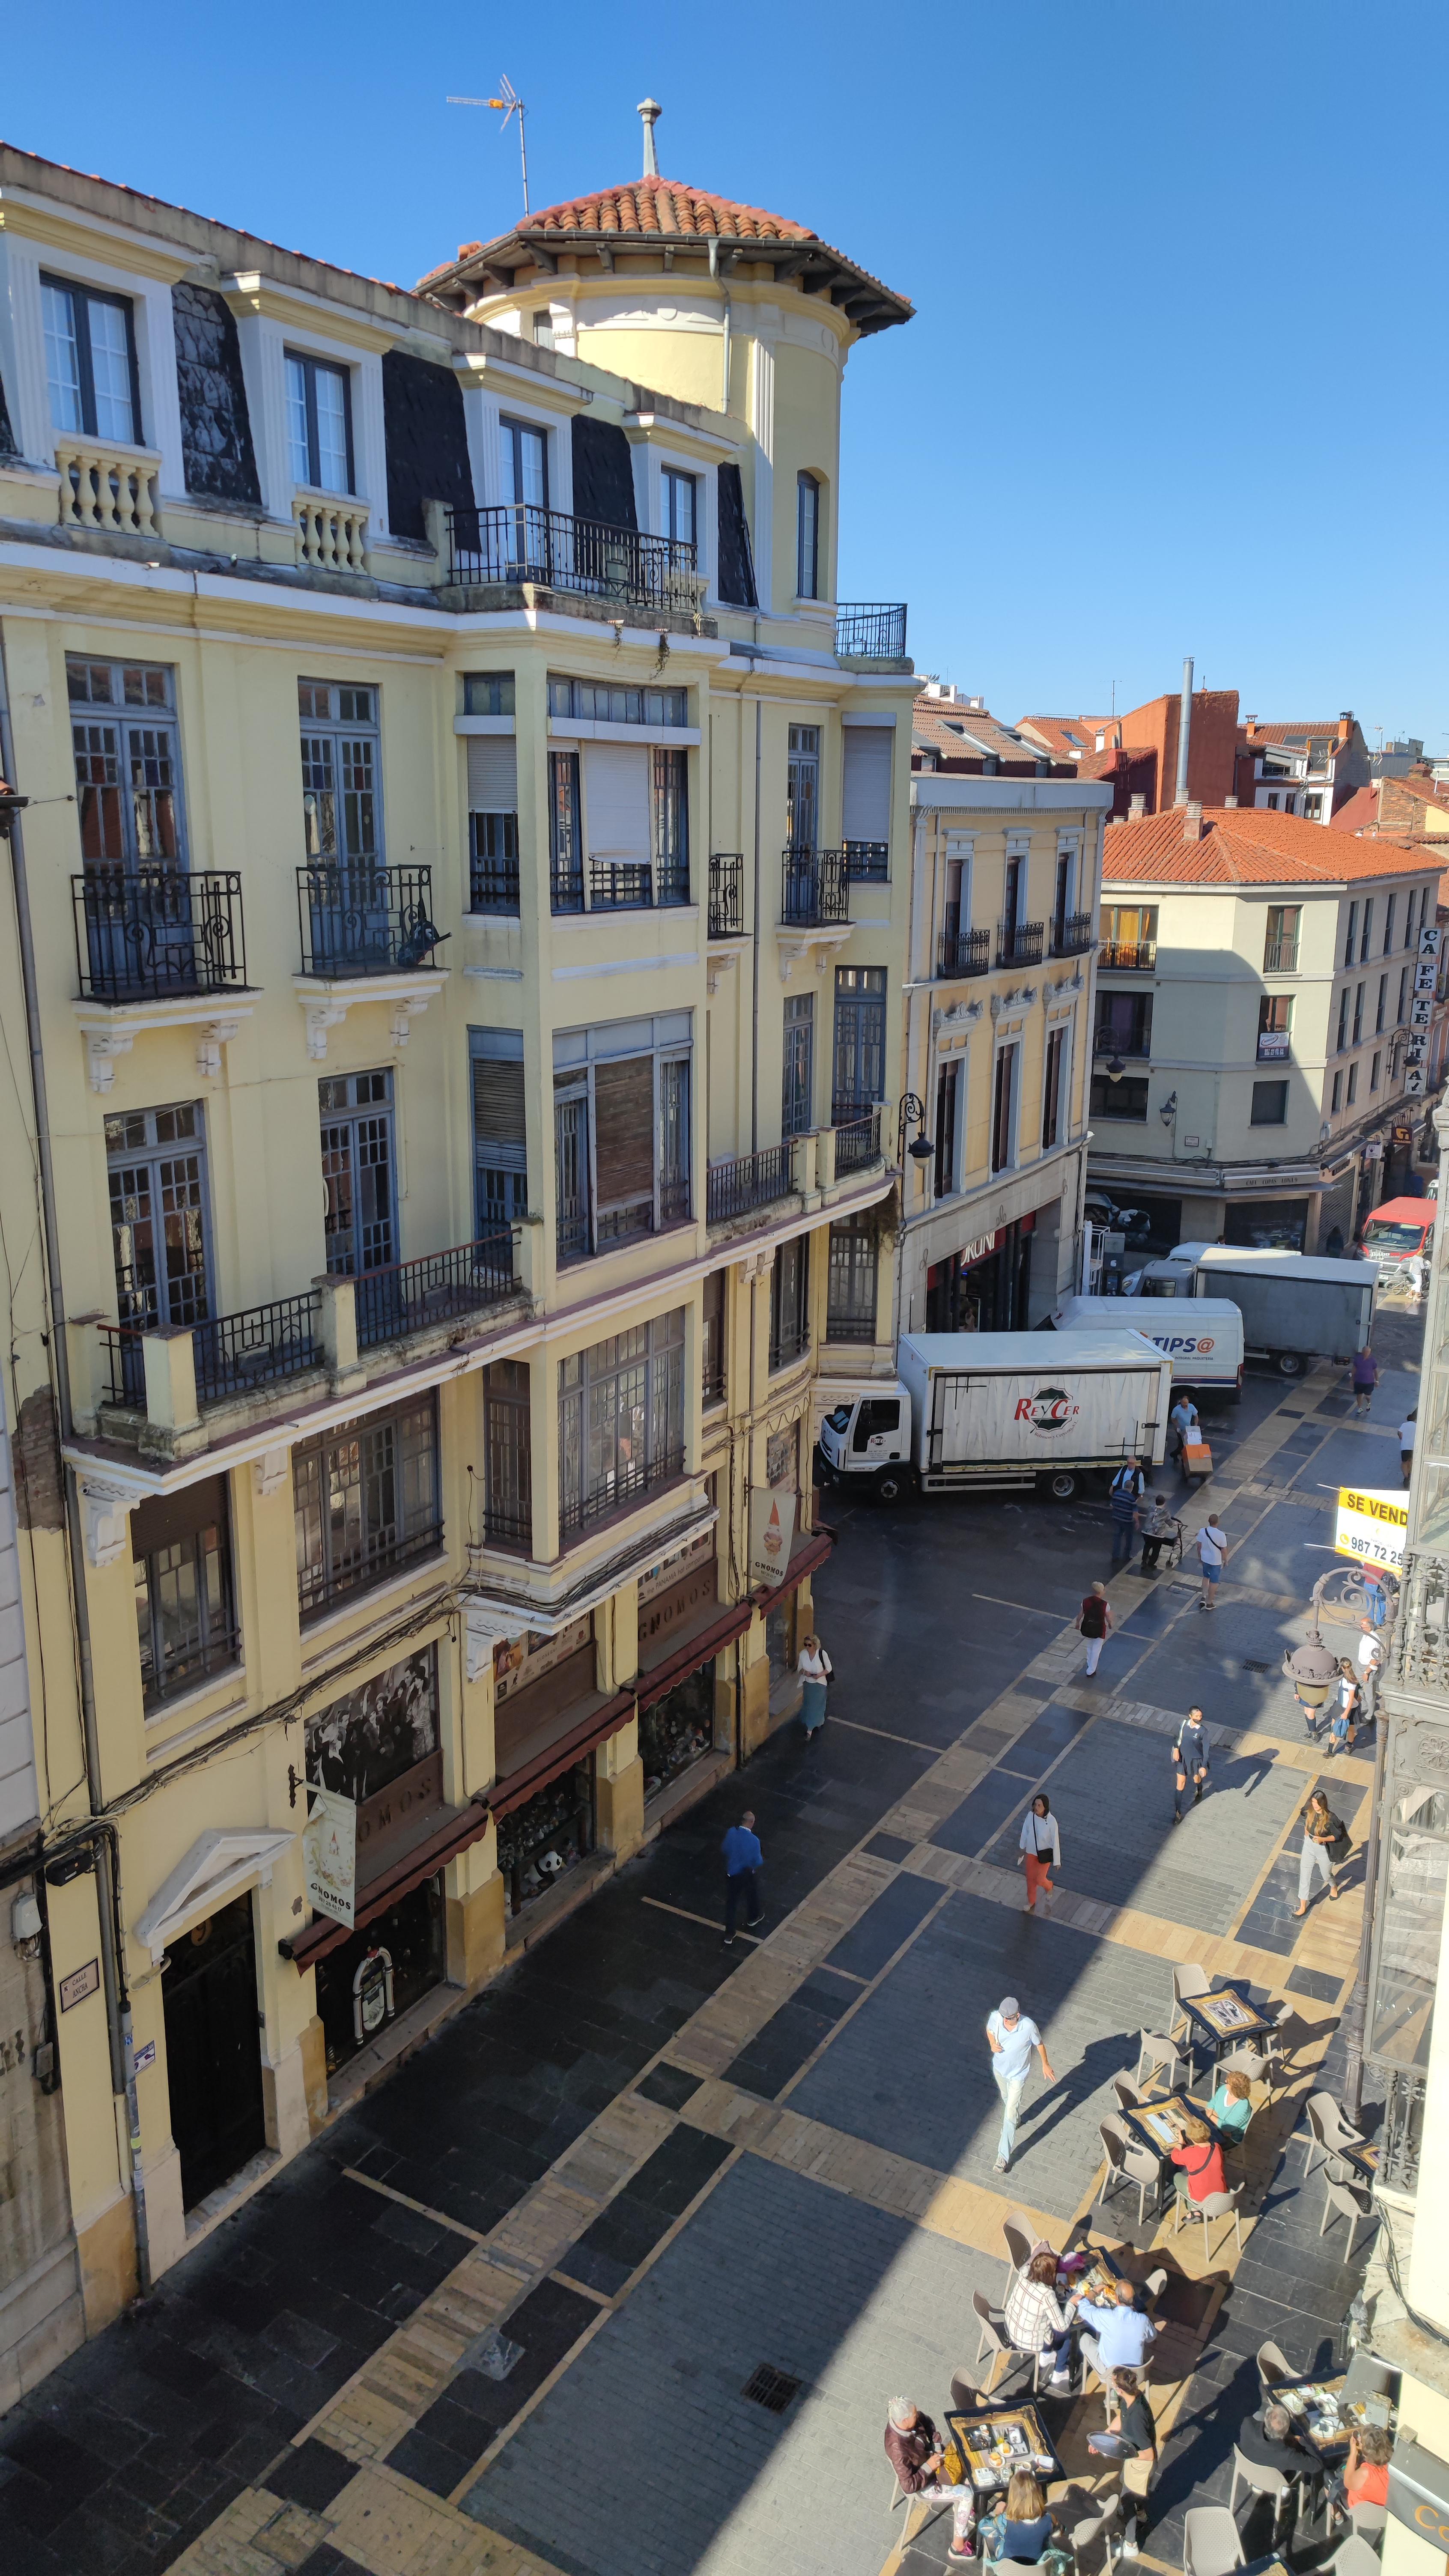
(1202, 1336)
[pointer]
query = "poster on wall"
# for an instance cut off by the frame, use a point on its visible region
(772, 1527)
(329, 1853)
(362, 1742)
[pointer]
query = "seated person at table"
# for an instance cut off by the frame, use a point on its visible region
(1131, 2437)
(1116, 2336)
(1365, 2478)
(1035, 2318)
(1024, 2529)
(1231, 2107)
(1199, 2161)
(915, 2451)
(1273, 2444)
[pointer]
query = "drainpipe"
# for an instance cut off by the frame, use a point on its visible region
(113, 1975)
(755, 1030)
(1184, 731)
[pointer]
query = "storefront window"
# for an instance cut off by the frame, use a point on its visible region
(678, 1730)
(547, 1836)
(382, 1971)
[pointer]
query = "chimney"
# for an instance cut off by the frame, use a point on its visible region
(1230, 800)
(1191, 818)
(1184, 734)
(1137, 809)
(651, 111)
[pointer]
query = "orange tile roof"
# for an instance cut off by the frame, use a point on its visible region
(964, 733)
(1060, 730)
(1360, 813)
(1325, 727)
(1240, 846)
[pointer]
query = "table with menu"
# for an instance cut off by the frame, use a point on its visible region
(993, 2443)
(1157, 2120)
(1321, 2416)
(1226, 2019)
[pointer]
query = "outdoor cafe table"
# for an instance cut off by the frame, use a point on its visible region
(1224, 2020)
(1319, 2403)
(994, 2441)
(1157, 2119)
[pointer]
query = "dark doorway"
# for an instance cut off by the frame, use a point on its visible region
(213, 2048)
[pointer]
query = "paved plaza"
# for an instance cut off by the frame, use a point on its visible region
(506, 2313)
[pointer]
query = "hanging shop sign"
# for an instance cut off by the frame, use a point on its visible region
(772, 1527)
(1414, 1082)
(1421, 1011)
(329, 1852)
(1426, 976)
(1371, 1527)
(1429, 940)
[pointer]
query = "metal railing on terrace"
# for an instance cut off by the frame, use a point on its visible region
(1136, 956)
(815, 889)
(1020, 943)
(871, 631)
(142, 933)
(1280, 956)
(517, 541)
(963, 952)
(1072, 934)
(410, 1296)
(749, 1181)
(726, 894)
(358, 918)
(857, 1140)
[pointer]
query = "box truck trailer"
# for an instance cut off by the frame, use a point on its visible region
(1295, 1307)
(1202, 1336)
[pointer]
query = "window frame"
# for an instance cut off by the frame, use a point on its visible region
(82, 297)
(504, 1160)
(1109, 1099)
(1054, 1079)
(789, 1302)
(217, 1648)
(419, 1524)
(341, 732)
(658, 1356)
(852, 1257)
(1261, 1091)
(512, 430)
(1005, 1135)
(807, 548)
(584, 1052)
(1336, 1100)
(377, 1108)
(128, 719)
(673, 479)
(181, 1298)
(312, 365)
(799, 1014)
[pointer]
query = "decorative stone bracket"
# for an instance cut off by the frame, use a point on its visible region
(106, 1521)
(326, 1004)
(960, 1014)
(818, 943)
(109, 1038)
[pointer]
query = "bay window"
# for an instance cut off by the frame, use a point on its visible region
(621, 1419)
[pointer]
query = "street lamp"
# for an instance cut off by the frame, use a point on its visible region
(1167, 1109)
(1312, 1668)
(1115, 1068)
(922, 1150)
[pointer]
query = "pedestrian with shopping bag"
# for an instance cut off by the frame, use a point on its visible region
(1041, 1844)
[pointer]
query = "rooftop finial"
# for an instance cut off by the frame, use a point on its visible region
(650, 110)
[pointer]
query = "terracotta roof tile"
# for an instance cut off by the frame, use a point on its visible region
(1075, 734)
(666, 207)
(964, 733)
(1242, 847)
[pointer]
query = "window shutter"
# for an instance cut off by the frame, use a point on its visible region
(166, 1520)
(603, 472)
(867, 799)
(617, 801)
(624, 1129)
(492, 774)
(498, 1112)
(736, 565)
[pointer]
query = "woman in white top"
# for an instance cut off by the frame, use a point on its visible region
(1041, 1844)
(814, 1667)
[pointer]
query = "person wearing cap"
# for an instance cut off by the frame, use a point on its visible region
(1012, 2037)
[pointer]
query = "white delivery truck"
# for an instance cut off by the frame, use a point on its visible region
(1295, 1306)
(992, 1409)
(1203, 1336)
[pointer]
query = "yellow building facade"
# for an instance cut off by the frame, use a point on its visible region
(460, 895)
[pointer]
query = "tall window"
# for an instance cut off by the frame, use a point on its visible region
(90, 362)
(525, 464)
(802, 787)
(948, 1125)
(1343, 1020)
(500, 1141)
(319, 424)
(713, 1370)
(1275, 1026)
(851, 1279)
(622, 1131)
(798, 1084)
(1337, 1101)
(1352, 1084)
(1383, 1006)
(1390, 910)
(1368, 927)
(1013, 911)
(790, 1302)
(1375, 1068)
(670, 826)
(1270, 1105)
(1357, 1013)
(358, 1172)
(1403, 993)
(621, 1419)
(156, 1166)
(492, 823)
(127, 750)
(1280, 943)
(807, 537)
(1126, 1099)
(858, 1076)
(566, 860)
(680, 507)
(508, 1452)
(1352, 939)
(1062, 895)
(185, 1618)
(1128, 933)
(1004, 1094)
(1053, 1107)
(365, 1502)
(1124, 1023)
(341, 771)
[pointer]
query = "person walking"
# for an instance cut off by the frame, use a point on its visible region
(1128, 1487)
(1368, 1656)
(1041, 1845)
(1011, 2038)
(743, 1858)
(1159, 1526)
(1407, 1429)
(1363, 1377)
(1211, 1543)
(814, 1668)
(1190, 1761)
(1343, 1710)
(1094, 1619)
(1182, 1426)
(1325, 1843)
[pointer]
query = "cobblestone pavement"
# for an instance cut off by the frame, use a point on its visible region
(639, 2169)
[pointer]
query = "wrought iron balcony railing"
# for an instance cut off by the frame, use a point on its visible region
(232, 1354)
(815, 891)
(493, 884)
(1401, 2137)
(357, 918)
(749, 1181)
(142, 933)
(870, 632)
(1280, 956)
(726, 894)
(963, 952)
(857, 1140)
(1019, 943)
(1128, 956)
(409, 1296)
(577, 1511)
(517, 541)
(1072, 934)
(867, 862)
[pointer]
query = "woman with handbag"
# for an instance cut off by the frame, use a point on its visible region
(1325, 1842)
(1041, 1844)
(814, 1668)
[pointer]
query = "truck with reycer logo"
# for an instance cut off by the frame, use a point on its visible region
(987, 1410)
(1202, 1336)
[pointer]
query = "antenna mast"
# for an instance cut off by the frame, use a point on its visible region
(512, 105)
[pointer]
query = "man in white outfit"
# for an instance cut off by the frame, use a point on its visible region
(1012, 2038)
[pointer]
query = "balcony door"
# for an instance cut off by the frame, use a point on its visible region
(347, 887)
(802, 788)
(160, 1225)
(858, 1077)
(523, 483)
(127, 753)
(798, 1084)
(359, 1168)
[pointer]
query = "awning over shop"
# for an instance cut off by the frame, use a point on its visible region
(522, 1785)
(457, 1828)
(710, 1639)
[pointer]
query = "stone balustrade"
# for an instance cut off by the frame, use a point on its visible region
(104, 485)
(331, 535)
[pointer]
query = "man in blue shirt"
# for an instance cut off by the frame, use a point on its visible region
(1116, 2336)
(742, 1857)
(1011, 2037)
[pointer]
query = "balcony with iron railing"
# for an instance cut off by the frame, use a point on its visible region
(815, 889)
(1072, 934)
(516, 541)
(1020, 943)
(748, 1181)
(726, 894)
(963, 952)
(143, 934)
(746, 1186)
(857, 1137)
(867, 862)
(1280, 956)
(870, 631)
(359, 918)
(636, 885)
(1128, 956)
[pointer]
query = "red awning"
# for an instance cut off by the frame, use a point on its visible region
(464, 1826)
(696, 1650)
(519, 1786)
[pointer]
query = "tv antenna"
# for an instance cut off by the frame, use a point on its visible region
(512, 105)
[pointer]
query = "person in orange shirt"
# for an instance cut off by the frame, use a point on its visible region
(1199, 2161)
(1365, 2478)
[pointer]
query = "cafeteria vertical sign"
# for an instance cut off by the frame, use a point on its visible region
(772, 1527)
(1372, 1527)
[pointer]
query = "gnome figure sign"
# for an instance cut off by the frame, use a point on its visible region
(772, 1527)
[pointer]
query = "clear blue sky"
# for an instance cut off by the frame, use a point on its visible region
(1172, 385)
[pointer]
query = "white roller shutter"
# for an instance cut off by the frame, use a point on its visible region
(616, 801)
(867, 797)
(492, 774)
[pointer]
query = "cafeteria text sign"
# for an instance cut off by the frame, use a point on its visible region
(1373, 1527)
